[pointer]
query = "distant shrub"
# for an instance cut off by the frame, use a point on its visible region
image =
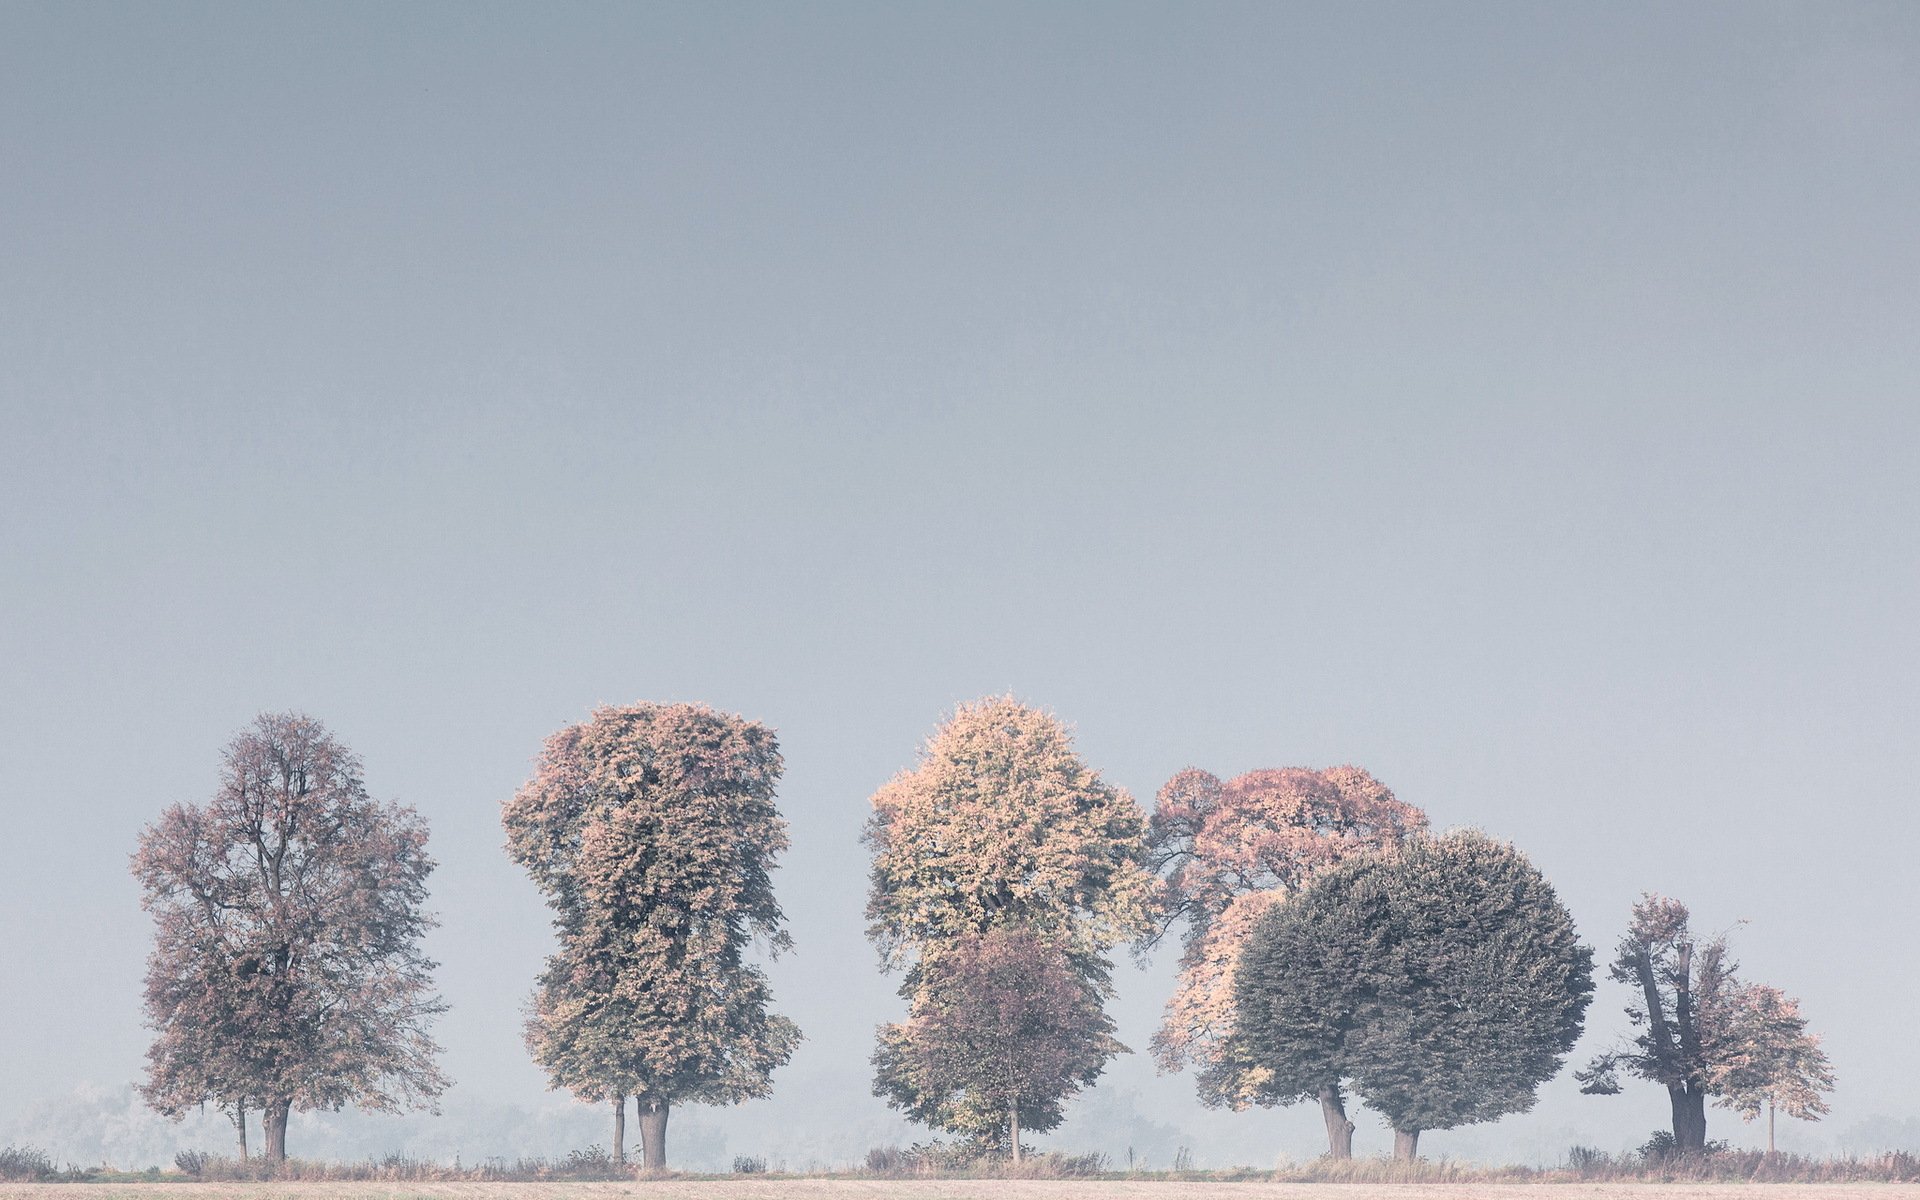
(25, 1164)
(746, 1164)
(590, 1165)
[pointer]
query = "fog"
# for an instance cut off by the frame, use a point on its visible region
(1517, 401)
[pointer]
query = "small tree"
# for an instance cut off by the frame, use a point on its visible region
(286, 971)
(1703, 1032)
(1003, 1031)
(652, 830)
(1229, 851)
(1761, 1056)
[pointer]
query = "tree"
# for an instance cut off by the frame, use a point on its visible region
(1002, 826)
(653, 832)
(1478, 986)
(1703, 1031)
(286, 971)
(1760, 1055)
(1296, 1003)
(1003, 1031)
(1229, 851)
(1442, 978)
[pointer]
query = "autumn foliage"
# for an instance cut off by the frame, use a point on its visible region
(286, 971)
(999, 842)
(653, 832)
(1330, 947)
(1229, 850)
(1003, 1031)
(1002, 824)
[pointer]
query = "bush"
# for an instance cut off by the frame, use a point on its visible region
(25, 1164)
(593, 1164)
(744, 1164)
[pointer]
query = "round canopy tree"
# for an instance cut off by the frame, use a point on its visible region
(653, 832)
(1444, 979)
(1479, 985)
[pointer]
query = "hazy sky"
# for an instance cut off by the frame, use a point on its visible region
(1519, 401)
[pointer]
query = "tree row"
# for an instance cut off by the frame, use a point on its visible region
(1332, 948)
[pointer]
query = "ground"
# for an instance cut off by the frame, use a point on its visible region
(962, 1189)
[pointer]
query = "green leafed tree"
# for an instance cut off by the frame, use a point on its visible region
(1297, 995)
(1480, 986)
(1001, 826)
(1444, 979)
(653, 831)
(287, 972)
(1003, 1032)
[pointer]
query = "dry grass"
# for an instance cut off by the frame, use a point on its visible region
(817, 1188)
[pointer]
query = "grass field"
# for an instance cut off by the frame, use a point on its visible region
(958, 1189)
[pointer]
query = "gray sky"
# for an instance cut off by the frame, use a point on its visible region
(1519, 401)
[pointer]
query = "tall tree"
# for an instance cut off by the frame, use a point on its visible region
(1002, 826)
(1003, 1031)
(1704, 1032)
(1442, 978)
(286, 971)
(653, 832)
(1229, 851)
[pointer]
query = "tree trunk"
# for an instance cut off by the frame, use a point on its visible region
(1013, 1124)
(240, 1123)
(653, 1134)
(273, 1121)
(1770, 1149)
(1339, 1129)
(1406, 1144)
(1689, 1119)
(620, 1129)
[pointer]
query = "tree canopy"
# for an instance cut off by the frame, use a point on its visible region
(1003, 1031)
(653, 831)
(1000, 829)
(1480, 985)
(1229, 850)
(1443, 978)
(1002, 824)
(287, 971)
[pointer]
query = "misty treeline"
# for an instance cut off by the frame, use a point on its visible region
(1332, 948)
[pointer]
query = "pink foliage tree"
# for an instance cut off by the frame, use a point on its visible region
(1229, 850)
(286, 970)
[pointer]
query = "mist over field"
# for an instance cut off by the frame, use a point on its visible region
(1515, 401)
